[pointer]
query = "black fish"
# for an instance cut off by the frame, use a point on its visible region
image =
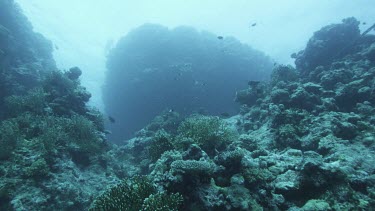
(220, 37)
(253, 83)
(225, 114)
(111, 119)
(364, 23)
(254, 24)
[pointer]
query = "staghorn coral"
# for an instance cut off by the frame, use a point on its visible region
(160, 143)
(136, 194)
(210, 133)
(162, 202)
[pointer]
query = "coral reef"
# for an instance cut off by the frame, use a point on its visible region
(302, 141)
(53, 149)
(305, 142)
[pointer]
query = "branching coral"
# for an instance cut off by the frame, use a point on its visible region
(208, 132)
(9, 136)
(136, 194)
(160, 143)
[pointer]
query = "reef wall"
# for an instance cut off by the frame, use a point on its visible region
(52, 145)
(24, 55)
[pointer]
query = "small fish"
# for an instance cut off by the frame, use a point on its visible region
(111, 119)
(170, 110)
(259, 91)
(225, 114)
(254, 24)
(364, 23)
(253, 83)
(220, 37)
(56, 47)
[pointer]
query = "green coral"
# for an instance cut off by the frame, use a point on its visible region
(136, 194)
(9, 137)
(209, 132)
(33, 101)
(38, 169)
(161, 142)
(83, 134)
(65, 96)
(162, 202)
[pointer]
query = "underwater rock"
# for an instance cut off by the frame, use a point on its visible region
(250, 96)
(287, 183)
(74, 73)
(154, 68)
(316, 205)
(327, 44)
(370, 53)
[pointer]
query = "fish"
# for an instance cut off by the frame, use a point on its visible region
(254, 24)
(111, 119)
(56, 47)
(364, 23)
(220, 37)
(225, 114)
(253, 83)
